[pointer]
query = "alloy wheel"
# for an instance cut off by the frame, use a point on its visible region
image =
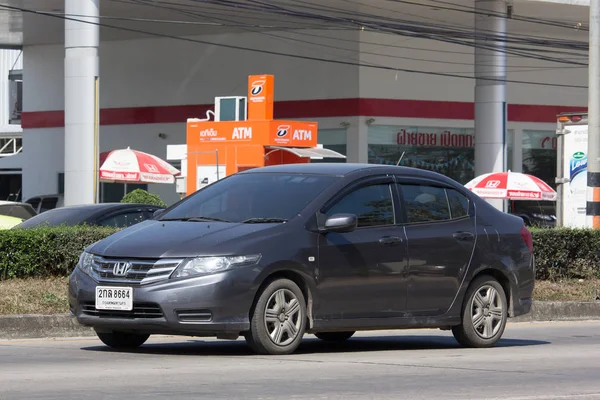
(283, 317)
(487, 312)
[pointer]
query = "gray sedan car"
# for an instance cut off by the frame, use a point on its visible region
(329, 249)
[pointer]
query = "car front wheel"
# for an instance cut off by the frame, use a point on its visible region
(484, 315)
(122, 340)
(279, 319)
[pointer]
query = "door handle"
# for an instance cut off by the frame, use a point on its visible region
(390, 240)
(463, 236)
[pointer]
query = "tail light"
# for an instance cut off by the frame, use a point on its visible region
(527, 238)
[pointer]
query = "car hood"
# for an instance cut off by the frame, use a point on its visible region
(156, 239)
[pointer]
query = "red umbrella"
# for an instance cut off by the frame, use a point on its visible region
(126, 165)
(511, 185)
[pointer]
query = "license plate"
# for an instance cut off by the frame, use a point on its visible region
(114, 298)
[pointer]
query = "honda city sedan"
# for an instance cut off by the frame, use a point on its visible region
(274, 253)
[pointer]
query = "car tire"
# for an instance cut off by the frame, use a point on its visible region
(122, 340)
(484, 314)
(278, 322)
(334, 336)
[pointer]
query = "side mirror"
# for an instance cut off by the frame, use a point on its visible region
(341, 223)
(157, 213)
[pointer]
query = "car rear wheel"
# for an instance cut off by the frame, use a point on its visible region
(279, 319)
(484, 314)
(334, 336)
(122, 340)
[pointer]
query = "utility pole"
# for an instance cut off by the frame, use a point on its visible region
(82, 40)
(593, 175)
(490, 88)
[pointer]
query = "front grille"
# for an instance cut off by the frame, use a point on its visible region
(140, 310)
(136, 271)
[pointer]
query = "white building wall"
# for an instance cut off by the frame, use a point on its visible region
(159, 72)
(441, 57)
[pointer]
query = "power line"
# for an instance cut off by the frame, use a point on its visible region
(472, 10)
(271, 6)
(270, 52)
(229, 23)
(388, 10)
(443, 36)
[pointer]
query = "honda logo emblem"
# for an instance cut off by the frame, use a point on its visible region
(121, 268)
(492, 184)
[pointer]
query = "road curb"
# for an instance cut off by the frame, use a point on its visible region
(542, 311)
(64, 325)
(41, 326)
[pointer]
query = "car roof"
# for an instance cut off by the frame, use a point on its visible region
(345, 169)
(104, 206)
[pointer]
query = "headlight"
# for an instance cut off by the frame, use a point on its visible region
(210, 265)
(85, 262)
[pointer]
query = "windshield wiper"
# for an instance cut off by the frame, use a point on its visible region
(263, 220)
(196, 219)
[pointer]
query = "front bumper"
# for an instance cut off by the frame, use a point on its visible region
(203, 306)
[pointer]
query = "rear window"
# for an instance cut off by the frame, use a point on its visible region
(17, 210)
(58, 216)
(426, 203)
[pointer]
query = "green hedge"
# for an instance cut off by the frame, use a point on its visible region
(46, 252)
(141, 196)
(566, 253)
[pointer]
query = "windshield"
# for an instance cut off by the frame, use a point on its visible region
(255, 197)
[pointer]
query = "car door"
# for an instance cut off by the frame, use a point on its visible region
(362, 273)
(441, 233)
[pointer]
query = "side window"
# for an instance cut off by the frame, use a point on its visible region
(123, 220)
(35, 202)
(459, 204)
(373, 205)
(425, 203)
(48, 203)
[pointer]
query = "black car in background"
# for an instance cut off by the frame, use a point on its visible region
(536, 214)
(120, 215)
(276, 252)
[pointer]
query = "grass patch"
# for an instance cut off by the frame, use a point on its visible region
(567, 290)
(49, 296)
(34, 296)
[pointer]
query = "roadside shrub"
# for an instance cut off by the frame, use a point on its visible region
(566, 253)
(143, 197)
(54, 251)
(45, 251)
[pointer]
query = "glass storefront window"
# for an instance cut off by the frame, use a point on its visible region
(539, 155)
(539, 160)
(333, 139)
(449, 151)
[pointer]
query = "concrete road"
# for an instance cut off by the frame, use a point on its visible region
(533, 361)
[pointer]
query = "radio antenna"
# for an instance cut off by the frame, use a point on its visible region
(400, 159)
